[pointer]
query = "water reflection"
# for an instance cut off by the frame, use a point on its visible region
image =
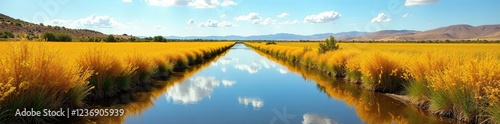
(195, 89)
(282, 71)
(370, 107)
(249, 68)
(142, 101)
(312, 118)
(256, 102)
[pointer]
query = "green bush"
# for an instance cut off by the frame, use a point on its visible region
(159, 39)
(328, 45)
(110, 38)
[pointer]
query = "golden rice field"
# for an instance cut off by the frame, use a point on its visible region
(460, 81)
(50, 75)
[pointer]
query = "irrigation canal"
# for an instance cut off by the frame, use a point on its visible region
(245, 86)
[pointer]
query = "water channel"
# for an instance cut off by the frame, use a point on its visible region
(245, 86)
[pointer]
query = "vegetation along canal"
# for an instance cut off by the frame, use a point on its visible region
(247, 86)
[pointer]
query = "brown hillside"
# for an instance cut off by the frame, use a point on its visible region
(19, 27)
(454, 32)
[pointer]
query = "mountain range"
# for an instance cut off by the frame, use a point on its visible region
(278, 36)
(453, 32)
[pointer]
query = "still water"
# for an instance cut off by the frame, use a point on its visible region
(245, 86)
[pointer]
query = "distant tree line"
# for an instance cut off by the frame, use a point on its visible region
(50, 36)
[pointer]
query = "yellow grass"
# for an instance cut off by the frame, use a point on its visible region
(453, 72)
(53, 75)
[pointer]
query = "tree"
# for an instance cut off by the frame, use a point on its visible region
(7, 34)
(63, 37)
(159, 39)
(110, 38)
(49, 36)
(328, 45)
(131, 39)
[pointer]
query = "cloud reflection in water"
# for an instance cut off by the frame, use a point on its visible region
(194, 89)
(256, 103)
(312, 118)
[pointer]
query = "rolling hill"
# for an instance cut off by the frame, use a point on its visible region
(17, 27)
(453, 32)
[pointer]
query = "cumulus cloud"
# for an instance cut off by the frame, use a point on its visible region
(265, 21)
(255, 18)
(288, 22)
(256, 103)
(127, 1)
(406, 15)
(190, 21)
(215, 23)
(250, 17)
(283, 15)
(94, 21)
(192, 3)
(381, 17)
(228, 3)
(418, 2)
(323, 17)
(223, 16)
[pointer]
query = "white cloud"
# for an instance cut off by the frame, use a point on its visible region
(287, 22)
(190, 21)
(94, 21)
(215, 23)
(381, 17)
(223, 16)
(282, 71)
(127, 1)
(226, 24)
(59, 22)
(168, 2)
(204, 3)
(418, 2)
(406, 15)
(311, 118)
(265, 21)
(194, 89)
(249, 68)
(192, 3)
(256, 103)
(283, 15)
(250, 17)
(228, 83)
(228, 3)
(323, 17)
(158, 27)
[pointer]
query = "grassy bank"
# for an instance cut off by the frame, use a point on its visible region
(459, 81)
(69, 75)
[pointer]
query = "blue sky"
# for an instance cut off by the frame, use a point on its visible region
(251, 17)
